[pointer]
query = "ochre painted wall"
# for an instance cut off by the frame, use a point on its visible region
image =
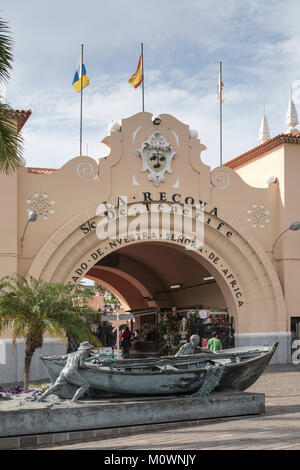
(240, 223)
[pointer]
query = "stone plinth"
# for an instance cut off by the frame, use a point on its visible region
(31, 418)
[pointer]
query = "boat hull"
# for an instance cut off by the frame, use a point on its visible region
(132, 383)
(240, 376)
(183, 375)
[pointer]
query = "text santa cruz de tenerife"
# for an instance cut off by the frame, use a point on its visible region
(118, 226)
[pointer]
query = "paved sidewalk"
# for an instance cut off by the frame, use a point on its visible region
(278, 429)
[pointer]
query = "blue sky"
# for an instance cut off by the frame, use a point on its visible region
(184, 41)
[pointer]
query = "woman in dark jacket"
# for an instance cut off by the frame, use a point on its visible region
(126, 341)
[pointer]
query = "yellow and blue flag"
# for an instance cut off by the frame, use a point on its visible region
(77, 77)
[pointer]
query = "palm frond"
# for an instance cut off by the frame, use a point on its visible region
(6, 56)
(30, 305)
(11, 141)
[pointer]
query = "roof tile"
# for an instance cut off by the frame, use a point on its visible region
(260, 150)
(40, 171)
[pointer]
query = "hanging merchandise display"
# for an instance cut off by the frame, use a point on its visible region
(218, 322)
(169, 335)
(173, 327)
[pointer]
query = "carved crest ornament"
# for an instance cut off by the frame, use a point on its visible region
(157, 155)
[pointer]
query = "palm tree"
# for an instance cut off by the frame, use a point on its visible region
(31, 307)
(11, 142)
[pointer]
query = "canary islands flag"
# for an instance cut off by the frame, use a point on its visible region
(77, 77)
(137, 78)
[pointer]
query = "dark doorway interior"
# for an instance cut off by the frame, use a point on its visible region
(295, 327)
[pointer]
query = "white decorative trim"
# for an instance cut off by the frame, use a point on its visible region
(135, 133)
(134, 181)
(264, 131)
(253, 335)
(291, 119)
(114, 127)
(176, 185)
(176, 136)
(193, 134)
(283, 352)
(270, 179)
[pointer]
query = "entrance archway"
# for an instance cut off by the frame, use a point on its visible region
(151, 268)
(238, 263)
(127, 289)
(142, 274)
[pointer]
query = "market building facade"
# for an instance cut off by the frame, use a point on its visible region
(152, 223)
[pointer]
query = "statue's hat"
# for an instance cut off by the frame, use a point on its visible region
(85, 345)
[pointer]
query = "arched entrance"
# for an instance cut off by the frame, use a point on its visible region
(151, 268)
(158, 274)
(241, 268)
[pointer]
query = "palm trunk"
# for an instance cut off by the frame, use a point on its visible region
(26, 371)
(33, 341)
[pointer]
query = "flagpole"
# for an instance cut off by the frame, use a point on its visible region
(81, 79)
(221, 117)
(142, 52)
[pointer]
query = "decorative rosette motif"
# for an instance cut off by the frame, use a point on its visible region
(220, 179)
(41, 204)
(258, 215)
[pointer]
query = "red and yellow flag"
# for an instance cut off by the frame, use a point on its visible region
(137, 78)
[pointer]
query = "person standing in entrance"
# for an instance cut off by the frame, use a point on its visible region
(214, 344)
(126, 341)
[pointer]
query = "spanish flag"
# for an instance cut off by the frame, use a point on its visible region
(77, 77)
(137, 78)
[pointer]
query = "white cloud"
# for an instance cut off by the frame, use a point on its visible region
(52, 134)
(184, 41)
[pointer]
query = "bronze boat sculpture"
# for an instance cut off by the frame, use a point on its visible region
(194, 375)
